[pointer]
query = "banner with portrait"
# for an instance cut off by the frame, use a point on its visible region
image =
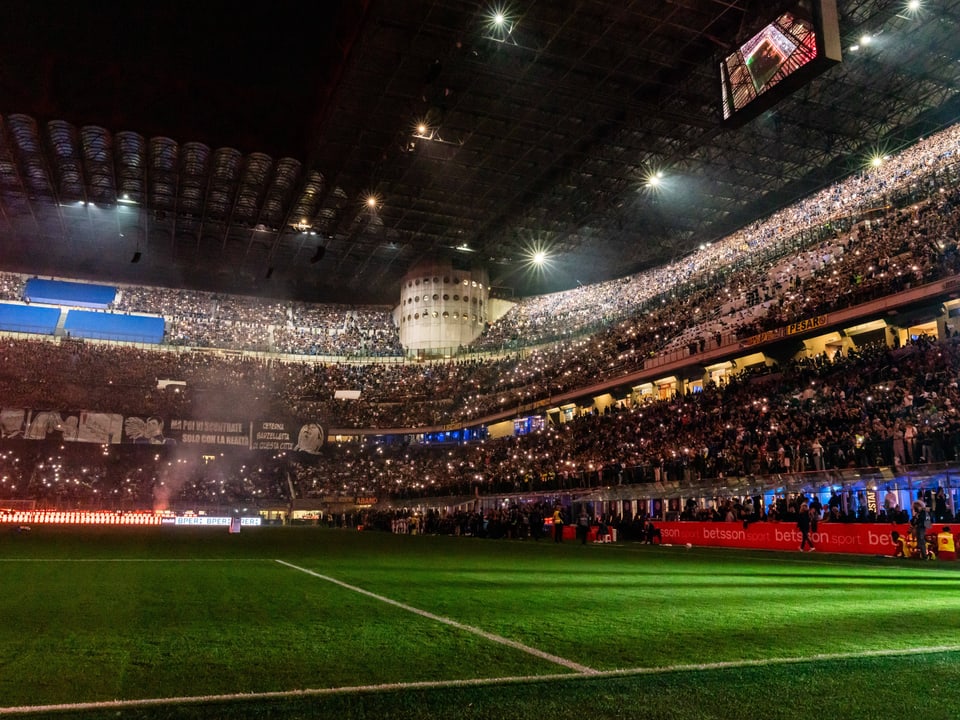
(306, 437)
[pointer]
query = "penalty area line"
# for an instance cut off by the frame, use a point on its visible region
(475, 682)
(577, 667)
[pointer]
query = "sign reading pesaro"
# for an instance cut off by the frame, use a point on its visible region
(801, 326)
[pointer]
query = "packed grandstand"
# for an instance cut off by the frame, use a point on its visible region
(399, 427)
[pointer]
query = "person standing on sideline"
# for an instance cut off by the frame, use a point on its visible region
(558, 524)
(536, 522)
(919, 523)
(805, 525)
(583, 525)
(946, 547)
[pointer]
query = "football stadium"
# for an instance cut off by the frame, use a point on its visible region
(415, 359)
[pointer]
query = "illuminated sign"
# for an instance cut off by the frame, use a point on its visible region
(206, 520)
(808, 324)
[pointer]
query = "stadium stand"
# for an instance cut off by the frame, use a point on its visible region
(289, 360)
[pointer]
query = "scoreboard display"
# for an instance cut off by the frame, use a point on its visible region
(789, 52)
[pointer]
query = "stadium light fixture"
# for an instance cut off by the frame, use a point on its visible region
(537, 258)
(422, 129)
(500, 23)
(654, 179)
(911, 10)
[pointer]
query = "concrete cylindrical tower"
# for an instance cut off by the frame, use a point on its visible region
(442, 307)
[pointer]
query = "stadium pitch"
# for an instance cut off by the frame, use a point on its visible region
(311, 622)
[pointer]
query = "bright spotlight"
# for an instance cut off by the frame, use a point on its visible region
(877, 156)
(499, 23)
(372, 201)
(913, 5)
(537, 258)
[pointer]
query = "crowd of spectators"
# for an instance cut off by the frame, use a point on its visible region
(550, 317)
(877, 255)
(90, 477)
(529, 519)
(875, 407)
(338, 330)
(773, 284)
(762, 251)
(842, 506)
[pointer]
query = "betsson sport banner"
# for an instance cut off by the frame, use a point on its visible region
(864, 538)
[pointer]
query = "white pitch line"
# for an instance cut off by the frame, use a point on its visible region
(474, 682)
(763, 662)
(126, 560)
(453, 623)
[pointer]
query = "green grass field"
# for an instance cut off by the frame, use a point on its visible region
(315, 623)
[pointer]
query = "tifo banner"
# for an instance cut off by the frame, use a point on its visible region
(310, 438)
(210, 432)
(287, 435)
(146, 431)
(12, 421)
(273, 435)
(96, 427)
(76, 427)
(103, 428)
(864, 538)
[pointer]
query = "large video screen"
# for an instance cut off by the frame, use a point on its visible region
(798, 44)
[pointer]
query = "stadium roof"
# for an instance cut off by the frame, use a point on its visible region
(236, 150)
